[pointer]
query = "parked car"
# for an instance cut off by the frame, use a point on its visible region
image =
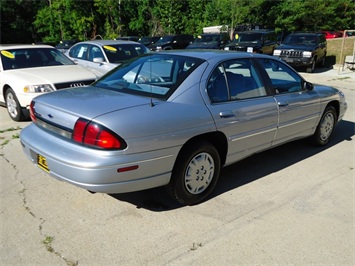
(147, 40)
(128, 38)
(64, 45)
(210, 41)
(27, 71)
(254, 41)
(100, 56)
(170, 42)
(332, 34)
(303, 49)
(174, 119)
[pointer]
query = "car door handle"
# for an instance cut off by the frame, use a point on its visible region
(226, 114)
(282, 104)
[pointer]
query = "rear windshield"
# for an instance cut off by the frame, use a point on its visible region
(33, 57)
(151, 75)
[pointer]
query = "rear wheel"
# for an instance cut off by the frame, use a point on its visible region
(13, 106)
(326, 126)
(195, 173)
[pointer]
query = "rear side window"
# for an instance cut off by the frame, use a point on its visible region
(235, 80)
(79, 51)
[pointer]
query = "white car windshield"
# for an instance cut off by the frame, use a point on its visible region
(32, 57)
(150, 75)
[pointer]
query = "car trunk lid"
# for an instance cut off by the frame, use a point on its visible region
(62, 108)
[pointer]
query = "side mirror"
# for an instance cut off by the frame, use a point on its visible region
(98, 60)
(308, 86)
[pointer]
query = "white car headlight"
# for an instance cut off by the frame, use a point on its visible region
(307, 54)
(38, 88)
(277, 52)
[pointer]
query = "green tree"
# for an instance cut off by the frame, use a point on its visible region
(65, 19)
(16, 20)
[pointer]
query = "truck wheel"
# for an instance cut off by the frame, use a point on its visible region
(311, 67)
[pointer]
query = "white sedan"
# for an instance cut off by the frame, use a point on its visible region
(27, 71)
(101, 56)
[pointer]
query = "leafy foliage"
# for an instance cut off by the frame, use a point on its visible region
(25, 21)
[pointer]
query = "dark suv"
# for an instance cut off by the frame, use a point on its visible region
(303, 49)
(210, 41)
(170, 42)
(255, 41)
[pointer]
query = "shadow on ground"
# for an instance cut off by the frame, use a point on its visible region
(240, 173)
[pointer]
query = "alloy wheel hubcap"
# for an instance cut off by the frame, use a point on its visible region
(199, 173)
(326, 127)
(11, 105)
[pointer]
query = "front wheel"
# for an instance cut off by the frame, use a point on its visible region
(311, 67)
(13, 106)
(195, 173)
(325, 127)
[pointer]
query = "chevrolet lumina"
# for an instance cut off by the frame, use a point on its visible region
(174, 119)
(27, 71)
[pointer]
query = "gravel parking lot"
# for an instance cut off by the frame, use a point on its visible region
(290, 205)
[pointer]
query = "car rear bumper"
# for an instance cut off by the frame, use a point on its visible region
(96, 170)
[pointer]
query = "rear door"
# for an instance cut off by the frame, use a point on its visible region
(242, 108)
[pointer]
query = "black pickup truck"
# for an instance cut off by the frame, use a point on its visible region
(303, 49)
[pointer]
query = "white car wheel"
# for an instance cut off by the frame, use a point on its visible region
(13, 106)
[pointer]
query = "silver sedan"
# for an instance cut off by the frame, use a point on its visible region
(175, 119)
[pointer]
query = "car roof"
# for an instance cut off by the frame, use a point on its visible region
(256, 31)
(108, 42)
(23, 46)
(208, 54)
(307, 33)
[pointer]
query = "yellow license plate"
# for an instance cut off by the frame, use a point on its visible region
(42, 163)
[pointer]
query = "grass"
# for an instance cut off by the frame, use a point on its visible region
(334, 50)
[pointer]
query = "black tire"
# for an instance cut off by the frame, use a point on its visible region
(13, 106)
(326, 126)
(322, 62)
(311, 67)
(195, 173)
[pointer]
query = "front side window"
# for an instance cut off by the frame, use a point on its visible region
(150, 75)
(283, 78)
(235, 80)
(95, 52)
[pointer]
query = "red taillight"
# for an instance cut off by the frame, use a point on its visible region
(79, 130)
(94, 135)
(32, 111)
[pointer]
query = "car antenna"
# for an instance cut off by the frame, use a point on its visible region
(150, 85)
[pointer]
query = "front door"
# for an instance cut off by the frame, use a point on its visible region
(242, 108)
